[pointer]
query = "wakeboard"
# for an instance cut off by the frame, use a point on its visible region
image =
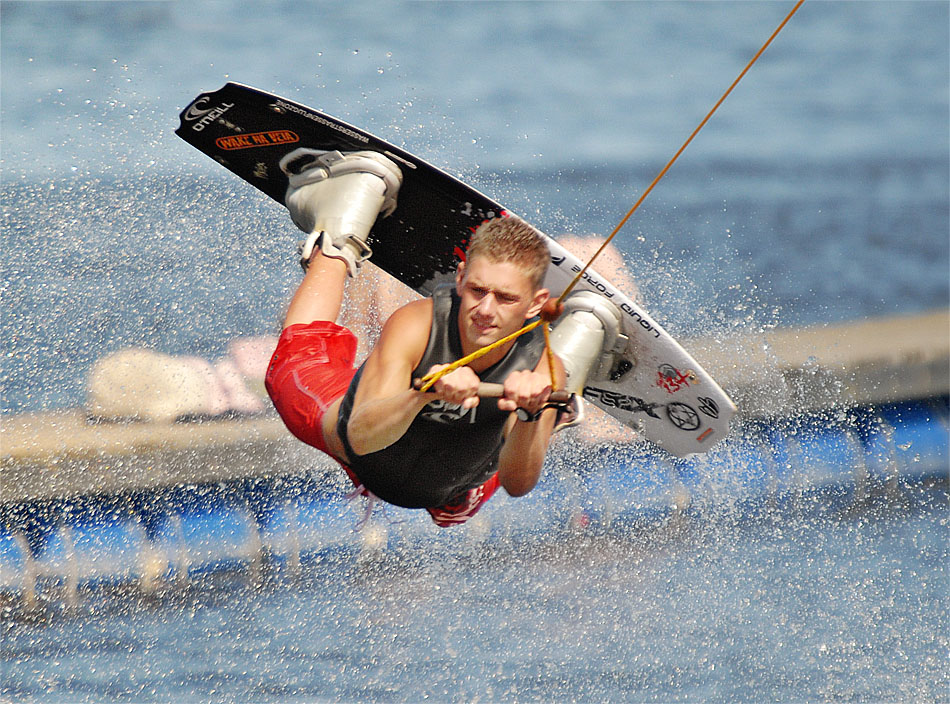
(650, 382)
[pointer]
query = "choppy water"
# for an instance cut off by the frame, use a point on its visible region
(820, 192)
(793, 608)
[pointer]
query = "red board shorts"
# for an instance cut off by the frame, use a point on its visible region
(311, 368)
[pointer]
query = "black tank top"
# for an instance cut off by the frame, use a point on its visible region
(446, 450)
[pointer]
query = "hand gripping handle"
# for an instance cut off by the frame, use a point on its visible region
(489, 390)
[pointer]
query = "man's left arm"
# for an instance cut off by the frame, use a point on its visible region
(526, 442)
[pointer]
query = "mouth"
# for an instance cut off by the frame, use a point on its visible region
(482, 328)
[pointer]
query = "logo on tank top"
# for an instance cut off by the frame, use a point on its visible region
(445, 412)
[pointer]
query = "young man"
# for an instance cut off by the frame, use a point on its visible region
(445, 450)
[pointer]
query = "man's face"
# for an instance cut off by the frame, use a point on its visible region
(497, 298)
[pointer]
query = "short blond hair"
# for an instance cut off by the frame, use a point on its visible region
(511, 239)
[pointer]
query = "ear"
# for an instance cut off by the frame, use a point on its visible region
(459, 276)
(541, 297)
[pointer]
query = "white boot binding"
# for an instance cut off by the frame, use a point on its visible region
(355, 251)
(586, 335)
(336, 198)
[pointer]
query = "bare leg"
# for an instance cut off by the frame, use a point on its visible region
(320, 294)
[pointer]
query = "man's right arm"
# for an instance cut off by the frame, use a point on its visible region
(385, 403)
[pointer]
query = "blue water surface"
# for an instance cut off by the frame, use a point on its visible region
(819, 193)
(797, 608)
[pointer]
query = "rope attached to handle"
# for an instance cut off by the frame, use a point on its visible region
(676, 156)
(429, 379)
(552, 309)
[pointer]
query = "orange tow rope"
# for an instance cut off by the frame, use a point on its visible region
(429, 379)
(553, 308)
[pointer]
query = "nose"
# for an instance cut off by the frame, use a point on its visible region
(487, 304)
